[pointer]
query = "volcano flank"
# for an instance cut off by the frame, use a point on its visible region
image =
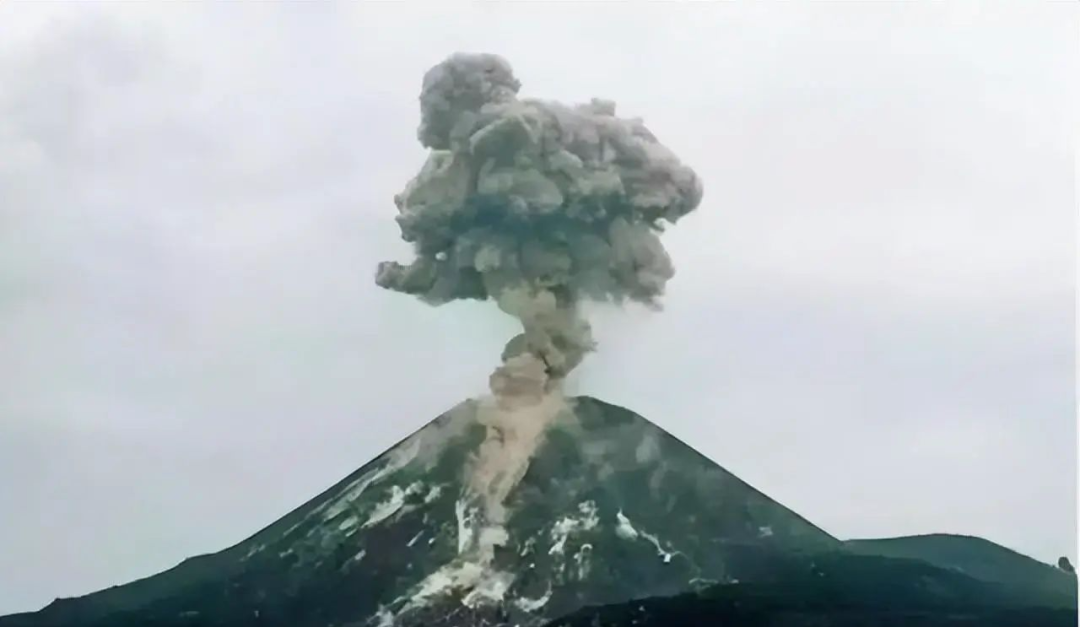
(611, 509)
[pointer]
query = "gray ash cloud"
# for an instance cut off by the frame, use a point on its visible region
(537, 205)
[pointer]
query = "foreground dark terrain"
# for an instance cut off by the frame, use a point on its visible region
(614, 523)
(840, 590)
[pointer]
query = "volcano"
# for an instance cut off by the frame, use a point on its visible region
(611, 512)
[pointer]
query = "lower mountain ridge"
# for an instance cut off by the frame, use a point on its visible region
(614, 522)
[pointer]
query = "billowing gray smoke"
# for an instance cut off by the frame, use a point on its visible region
(536, 205)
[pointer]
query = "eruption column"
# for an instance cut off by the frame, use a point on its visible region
(538, 206)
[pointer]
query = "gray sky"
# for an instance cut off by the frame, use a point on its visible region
(872, 319)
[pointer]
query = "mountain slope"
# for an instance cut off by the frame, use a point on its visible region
(610, 508)
(834, 590)
(1038, 583)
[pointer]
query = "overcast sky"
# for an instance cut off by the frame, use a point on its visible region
(872, 319)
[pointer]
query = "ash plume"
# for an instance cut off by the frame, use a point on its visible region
(538, 206)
